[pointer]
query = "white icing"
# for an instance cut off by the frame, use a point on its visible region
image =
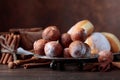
(78, 50)
(49, 50)
(99, 42)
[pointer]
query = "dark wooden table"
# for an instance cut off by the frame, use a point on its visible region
(45, 73)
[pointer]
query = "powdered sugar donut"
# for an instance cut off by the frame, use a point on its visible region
(53, 49)
(98, 42)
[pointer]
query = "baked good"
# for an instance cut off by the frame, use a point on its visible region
(105, 56)
(113, 40)
(78, 34)
(53, 49)
(65, 39)
(98, 42)
(85, 24)
(51, 33)
(38, 46)
(66, 53)
(78, 49)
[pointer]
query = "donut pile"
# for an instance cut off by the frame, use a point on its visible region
(80, 41)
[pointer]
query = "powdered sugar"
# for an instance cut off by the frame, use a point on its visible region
(98, 42)
(49, 50)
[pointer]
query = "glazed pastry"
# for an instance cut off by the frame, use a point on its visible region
(85, 24)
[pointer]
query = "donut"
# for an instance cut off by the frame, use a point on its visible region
(78, 34)
(65, 40)
(78, 49)
(38, 46)
(53, 49)
(105, 56)
(66, 53)
(98, 42)
(51, 33)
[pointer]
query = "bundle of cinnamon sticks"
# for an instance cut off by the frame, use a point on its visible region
(12, 41)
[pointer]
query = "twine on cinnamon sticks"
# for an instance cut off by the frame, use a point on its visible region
(9, 44)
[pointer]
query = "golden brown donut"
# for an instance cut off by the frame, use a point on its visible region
(78, 49)
(79, 34)
(38, 46)
(66, 53)
(51, 33)
(65, 39)
(105, 56)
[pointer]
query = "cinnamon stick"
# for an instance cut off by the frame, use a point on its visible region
(31, 60)
(16, 44)
(3, 54)
(2, 58)
(10, 59)
(19, 62)
(6, 58)
(13, 43)
(10, 38)
(116, 64)
(33, 65)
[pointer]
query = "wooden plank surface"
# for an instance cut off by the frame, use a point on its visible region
(48, 74)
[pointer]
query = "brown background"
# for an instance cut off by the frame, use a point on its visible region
(104, 14)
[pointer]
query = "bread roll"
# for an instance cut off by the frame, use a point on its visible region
(38, 46)
(98, 42)
(85, 24)
(114, 41)
(53, 49)
(78, 49)
(51, 33)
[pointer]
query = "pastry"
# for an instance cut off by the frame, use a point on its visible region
(113, 40)
(98, 42)
(85, 24)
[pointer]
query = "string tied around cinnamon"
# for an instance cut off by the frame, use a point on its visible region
(6, 48)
